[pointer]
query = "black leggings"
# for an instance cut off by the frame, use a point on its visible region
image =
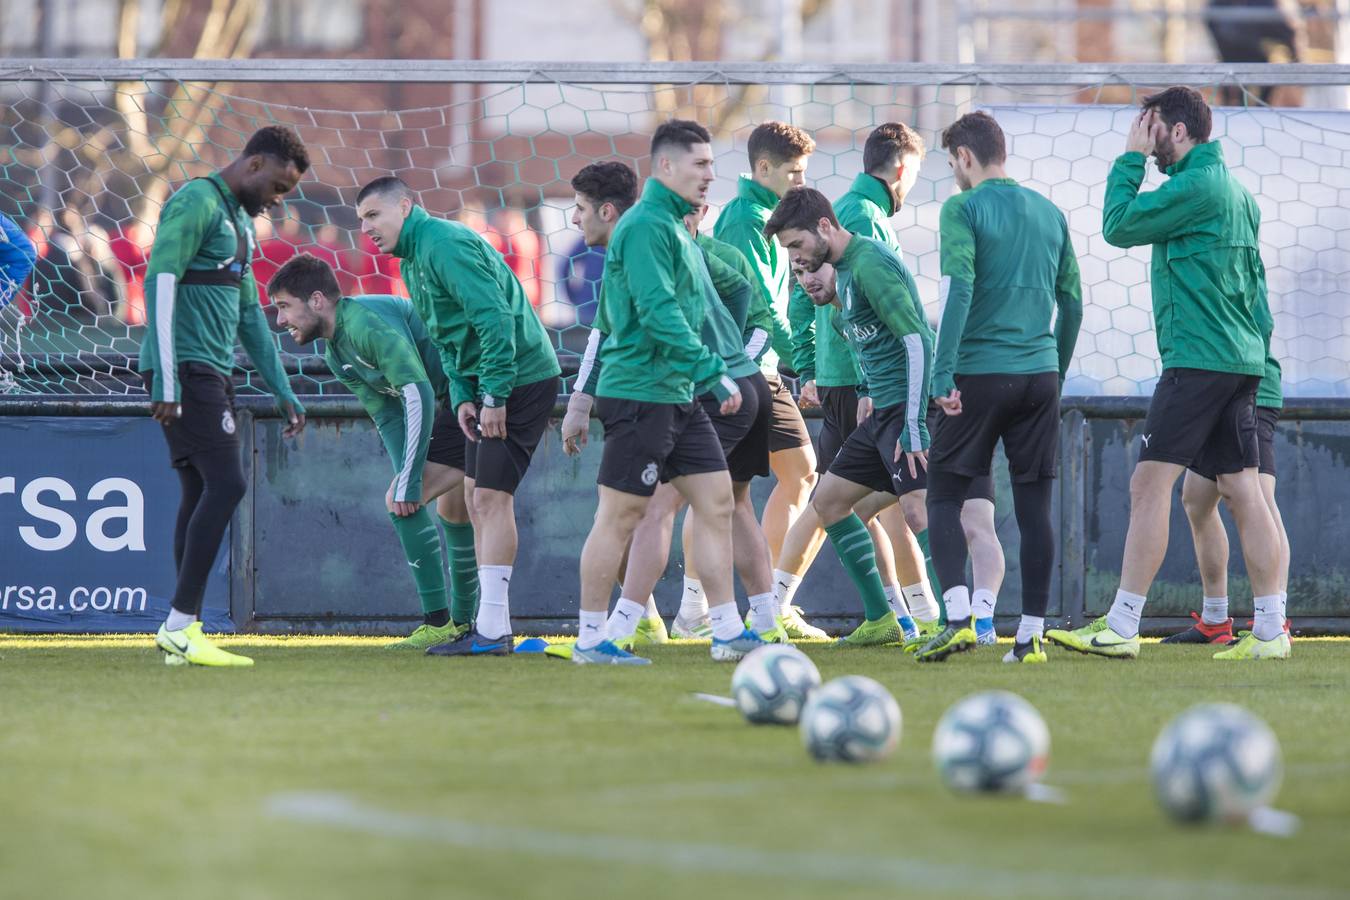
(947, 540)
(213, 485)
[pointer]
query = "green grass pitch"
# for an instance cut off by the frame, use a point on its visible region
(337, 769)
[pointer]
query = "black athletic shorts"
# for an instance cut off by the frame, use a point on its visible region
(207, 422)
(982, 487)
(744, 435)
(1023, 410)
(650, 443)
(1203, 419)
(787, 428)
(1267, 417)
(868, 455)
(447, 440)
(499, 464)
(839, 406)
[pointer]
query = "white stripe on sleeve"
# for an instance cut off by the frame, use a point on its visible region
(412, 423)
(915, 404)
(587, 360)
(166, 284)
(758, 338)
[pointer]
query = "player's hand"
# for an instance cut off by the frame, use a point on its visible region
(1143, 138)
(950, 404)
(809, 396)
(400, 508)
(864, 408)
(576, 425)
(731, 405)
(468, 420)
(164, 413)
(915, 460)
(492, 422)
(294, 418)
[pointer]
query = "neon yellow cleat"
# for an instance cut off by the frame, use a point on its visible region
(560, 651)
(927, 631)
(1096, 638)
(946, 642)
(776, 635)
(798, 629)
(1249, 646)
(193, 647)
(880, 632)
(428, 636)
(651, 630)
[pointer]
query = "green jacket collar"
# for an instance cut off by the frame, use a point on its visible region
(855, 246)
(874, 190)
(225, 191)
(407, 238)
(755, 192)
(339, 320)
(1012, 181)
(1201, 155)
(662, 197)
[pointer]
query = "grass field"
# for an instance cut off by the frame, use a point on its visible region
(337, 769)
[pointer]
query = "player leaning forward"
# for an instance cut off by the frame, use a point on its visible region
(200, 298)
(1208, 301)
(503, 378)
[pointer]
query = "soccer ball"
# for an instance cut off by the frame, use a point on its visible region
(851, 719)
(771, 684)
(1215, 762)
(993, 741)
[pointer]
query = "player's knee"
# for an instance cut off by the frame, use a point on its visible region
(830, 507)
(915, 509)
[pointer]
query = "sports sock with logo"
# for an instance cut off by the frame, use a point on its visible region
(726, 621)
(853, 544)
(1123, 617)
(591, 629)
(624, 620)
(693, 602)
(463, 570)
(763, 612)
(1215, 610)
(1268, 621)
(494, 615)
(784, 589)
(422, 549)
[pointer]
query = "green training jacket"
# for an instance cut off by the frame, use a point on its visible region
(741, 224)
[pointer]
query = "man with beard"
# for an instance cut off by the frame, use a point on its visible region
(200, 298)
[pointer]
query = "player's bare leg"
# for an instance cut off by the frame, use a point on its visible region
(795, 471)
(987, 565)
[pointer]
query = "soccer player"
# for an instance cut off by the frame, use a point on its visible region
(893, 343)
(1008, 270)
(653, 303)
(778, 157)
(379, 348)
(1208, 284)
(201, 298)
(503, 379)
(17, 258)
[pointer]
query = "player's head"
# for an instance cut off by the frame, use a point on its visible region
(893, 153)
(682, 159)
(819, 285)
(778, 154)
(694, 220)
(382, 206)
(1186, 121)
(974, 143)
(269, 168)
(305, 293)
(805, 225)
(605, 191)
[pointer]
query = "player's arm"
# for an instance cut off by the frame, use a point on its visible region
(755, 247)
(731, 286)
(261, 346)
(17, 258)
(1069, 300)
(802, 320)
(396, 356)
(576, 421)
(178, 239)
(385, 411)
(957, 288)
(463, 269)
(890, 298)
(1132, 219)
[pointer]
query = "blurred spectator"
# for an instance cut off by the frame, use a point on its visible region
(132, 249)
(60, 278)
(376, 272)
(521, 247)
(106, 282)
(17, 257)
(1281, 39)
(579, 274)
(276, 245)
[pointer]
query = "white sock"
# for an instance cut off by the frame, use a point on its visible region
(920, 601)
(763, 612)
(1269, 619)
(494, 612)
(784, 589)
(726, 621)
(177, 621)
(1215, 611)
(958, 604)
(591, 630)
(693, 602)
(895, 596)
(624, 620)
(1030, 627)
(1124, 614)
(982, 603)
(652, 611)
(1284, 605)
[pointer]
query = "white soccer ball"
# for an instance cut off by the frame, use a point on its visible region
(771, 683)
(851, 719)
(1215, 762)
(993, 741)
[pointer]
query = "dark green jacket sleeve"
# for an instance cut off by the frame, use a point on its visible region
(261, 345)
(463, 269)
(802, 320)
(178, 238)
(1132, 219)
(957, 260)
(405, 423)
(755, 247)
(895, 306)
(731, 287)
(1069, 300)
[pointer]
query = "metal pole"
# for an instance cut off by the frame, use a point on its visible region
(48, 198)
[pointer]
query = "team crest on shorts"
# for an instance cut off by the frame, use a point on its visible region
(650, 474)
(227, 422)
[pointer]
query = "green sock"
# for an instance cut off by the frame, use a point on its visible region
(853, 543)
(463, 571)
(422, 547)
(922, 538)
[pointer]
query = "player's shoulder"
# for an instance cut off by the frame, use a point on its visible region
(197, 193)
(956, 204)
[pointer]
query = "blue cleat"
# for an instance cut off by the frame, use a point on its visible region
(737, 647)
(909, 627)
(607, 653)
(474, 644)
(984, 631)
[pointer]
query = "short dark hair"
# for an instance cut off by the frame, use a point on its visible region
(888, 143)
(279, 142)
(304, 274)
(607, 182)
(384, 186)
(1185, 105)
(683, 133)
(800, 208)
(978, 133)
(778, 142)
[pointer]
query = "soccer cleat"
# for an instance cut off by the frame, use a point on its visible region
(1033, 651)
(735, 648)
(560, 651)
(1097, 639)
(699, 629)
(909, 627)
(874, 633)
(1202, 633)
(607, 653)
(191, 646)
(474, 644)
(1249, 646)
(427, 636)
(651, 630)
(984, 631)
(951, 639)
(776, 635)
(798, 629)
(926, 632)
